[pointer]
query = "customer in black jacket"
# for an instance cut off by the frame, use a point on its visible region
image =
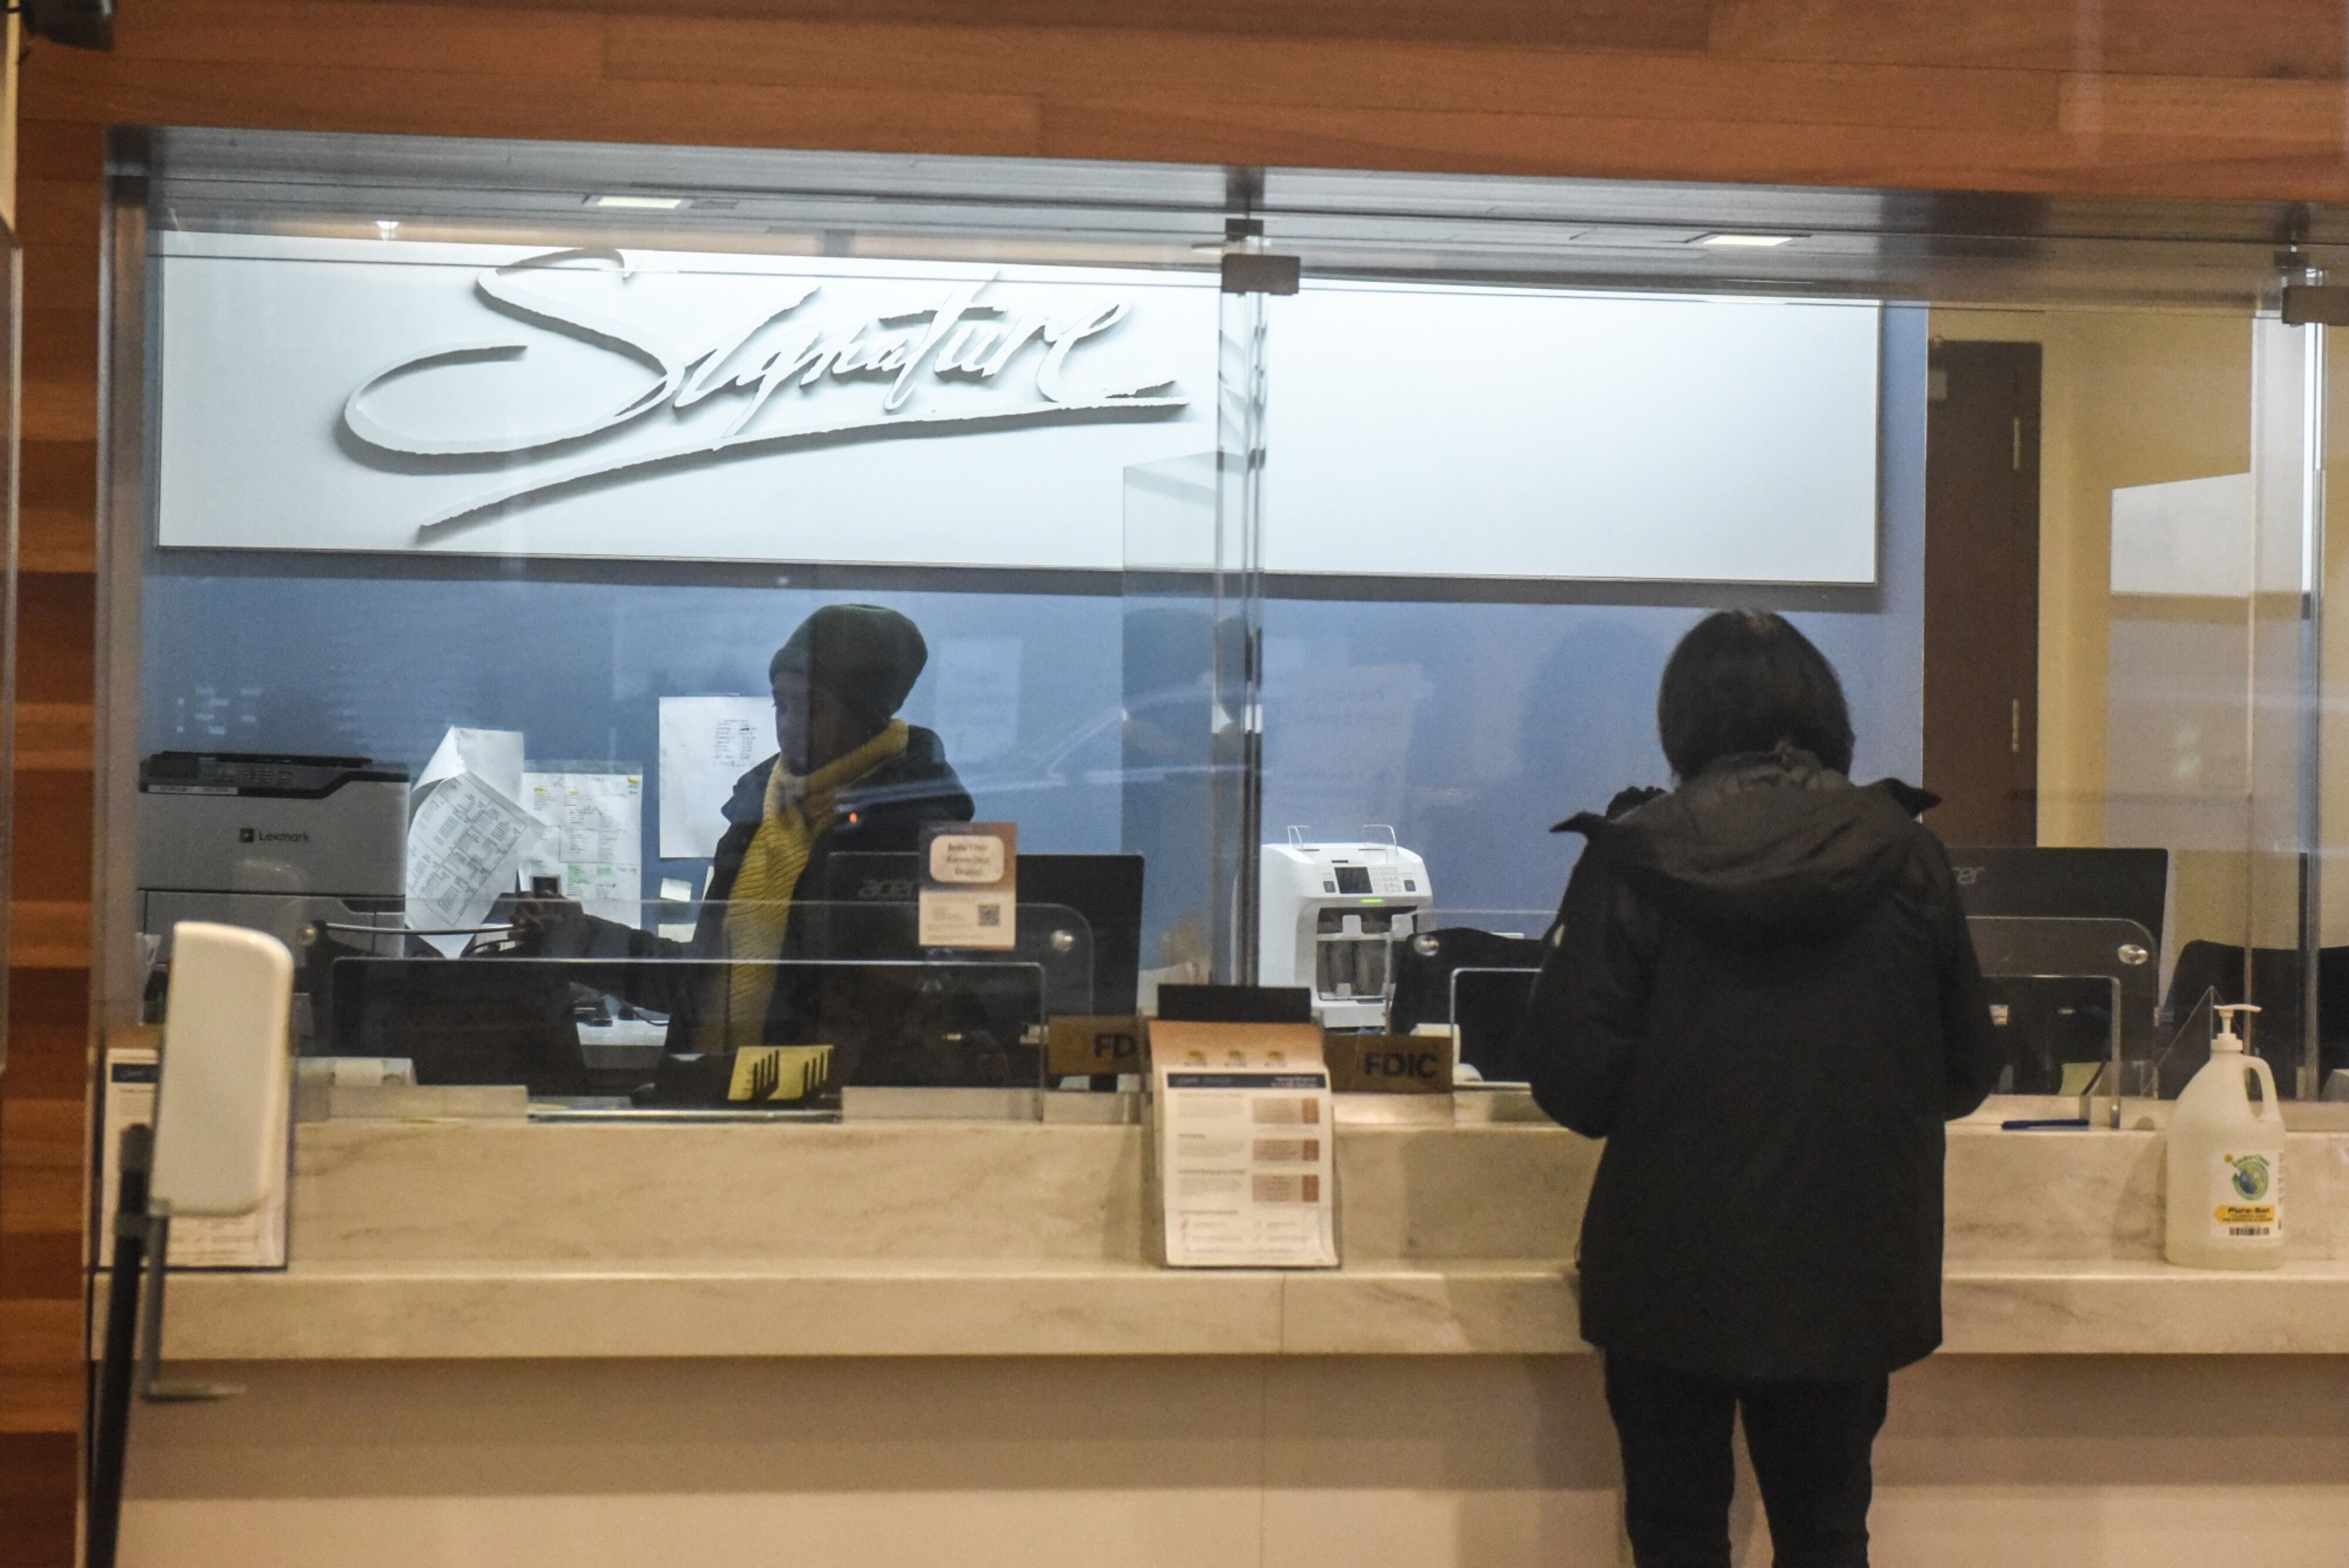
(1761, 993)
(848, 774)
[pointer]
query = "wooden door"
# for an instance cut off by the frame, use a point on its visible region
(1981, 592)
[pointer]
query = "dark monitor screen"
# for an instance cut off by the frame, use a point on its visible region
(461, 1021)
(2068, 884)
(1106, 889)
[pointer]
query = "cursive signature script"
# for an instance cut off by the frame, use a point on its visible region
(772, 356)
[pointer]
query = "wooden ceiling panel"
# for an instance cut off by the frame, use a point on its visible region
(1570, 24)
(2202, 109)
(1685, 150)
(1343, 74)
(2248, 38)
(469, 40)
(98, 89)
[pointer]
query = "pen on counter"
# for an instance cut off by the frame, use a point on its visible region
(2054, 1124)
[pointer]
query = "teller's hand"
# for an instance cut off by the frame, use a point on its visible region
(545, 926)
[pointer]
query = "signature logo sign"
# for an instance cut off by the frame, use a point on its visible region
(729, 390)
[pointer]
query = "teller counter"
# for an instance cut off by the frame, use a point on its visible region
(924, 1341)
(468, 1239)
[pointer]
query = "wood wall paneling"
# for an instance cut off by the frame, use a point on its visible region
(1344, 74)
(48, 1034)
(36, 1498)
(1561, 23)
(2144, 97)
(57, 617)
(2271, 38)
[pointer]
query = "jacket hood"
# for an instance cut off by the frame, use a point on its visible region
(1765, 844)
(919, 776)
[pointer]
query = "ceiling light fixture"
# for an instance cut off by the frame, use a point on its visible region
(642, 203)
(1750, 242)
(386, 227)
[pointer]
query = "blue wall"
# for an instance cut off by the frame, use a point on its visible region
(1468, 727)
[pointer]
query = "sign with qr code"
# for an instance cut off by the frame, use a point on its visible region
(970, 894)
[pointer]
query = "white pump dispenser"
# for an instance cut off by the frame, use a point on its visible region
(2225, 1160)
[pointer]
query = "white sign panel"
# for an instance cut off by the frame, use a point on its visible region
(321, 394)
(1426, 432)
(392, 395)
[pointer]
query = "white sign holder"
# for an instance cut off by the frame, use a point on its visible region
(1245, 1161)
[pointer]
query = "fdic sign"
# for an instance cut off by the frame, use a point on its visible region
(1080, 1048)
(1389, 1064)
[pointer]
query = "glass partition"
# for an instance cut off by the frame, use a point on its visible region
(614, 567)
(2074, 1003)
(2150, 715)
(584, 1011)
(621, 596)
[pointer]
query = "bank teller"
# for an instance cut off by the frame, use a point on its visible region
(848, 775)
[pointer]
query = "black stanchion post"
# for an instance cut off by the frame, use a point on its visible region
(120, 1363)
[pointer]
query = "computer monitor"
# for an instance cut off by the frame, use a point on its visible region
(461, 1021)
(1104, 889)
(2066, 884)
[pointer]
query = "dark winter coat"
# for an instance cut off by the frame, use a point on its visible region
(1762, 993)
(883, 812)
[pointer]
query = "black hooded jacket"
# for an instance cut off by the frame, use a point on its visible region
(1762, 993)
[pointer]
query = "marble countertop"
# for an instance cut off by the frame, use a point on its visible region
(454, 1240)
(845, 1307)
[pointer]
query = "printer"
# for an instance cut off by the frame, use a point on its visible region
(273, 843)
(1329, 915)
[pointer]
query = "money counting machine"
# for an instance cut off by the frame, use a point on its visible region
(1332, 916)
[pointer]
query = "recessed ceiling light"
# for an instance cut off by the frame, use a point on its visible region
(1751, 242)
(642, 203)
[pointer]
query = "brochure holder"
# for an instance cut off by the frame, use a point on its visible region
(1242, 1119)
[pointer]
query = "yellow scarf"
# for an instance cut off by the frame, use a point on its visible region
(759, 908)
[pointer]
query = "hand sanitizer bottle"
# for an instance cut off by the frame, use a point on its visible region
(2225, 1159)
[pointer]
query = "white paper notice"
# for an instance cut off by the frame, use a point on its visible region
(1245, 1164)
(593, 839)
(465, 842)
(256, 1240)
(705, 744)
(492, 756)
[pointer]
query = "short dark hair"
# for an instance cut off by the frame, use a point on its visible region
(1744, 680)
